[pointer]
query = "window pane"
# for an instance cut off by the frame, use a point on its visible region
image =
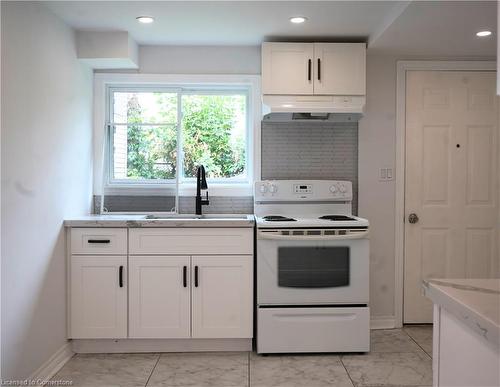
(144, 152)
(144, 107)
(214, 134)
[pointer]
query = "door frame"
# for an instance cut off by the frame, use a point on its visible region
(400, 165)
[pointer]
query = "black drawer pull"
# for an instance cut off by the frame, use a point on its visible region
(99, 241)
(319, 69)
(120, 276)
(196, 276)
(184, 276)
(309, 64)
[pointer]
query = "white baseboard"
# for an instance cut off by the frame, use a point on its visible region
(383, 322)
(43, 374)
(159, 345)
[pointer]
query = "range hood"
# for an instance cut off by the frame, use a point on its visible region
(313, 104)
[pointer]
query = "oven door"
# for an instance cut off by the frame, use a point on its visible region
(303, 270)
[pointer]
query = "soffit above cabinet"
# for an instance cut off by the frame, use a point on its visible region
(107, 49)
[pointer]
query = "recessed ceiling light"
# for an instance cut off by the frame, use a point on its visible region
(482, 34)
(145, 19)
(298, 19)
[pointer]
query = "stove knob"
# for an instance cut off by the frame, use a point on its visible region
(273, 188)
(263, 188)
(333, 189)
(342, 188)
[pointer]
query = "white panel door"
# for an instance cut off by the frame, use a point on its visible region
(98, 297)
(159, 297)
(451, 182)
(340, 68)
(222, 296)
(287, 68)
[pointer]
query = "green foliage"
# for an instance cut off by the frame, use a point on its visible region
(151, 150)
(208, 136)
(207, 125)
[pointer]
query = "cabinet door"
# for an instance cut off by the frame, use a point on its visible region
(287, 68)
(222, 296)
(159, 303)
(340, 68)
(98, 297)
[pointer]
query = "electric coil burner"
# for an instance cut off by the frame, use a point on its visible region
(278, 218)
(335, 218)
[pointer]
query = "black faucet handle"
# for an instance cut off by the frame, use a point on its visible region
(203, 180)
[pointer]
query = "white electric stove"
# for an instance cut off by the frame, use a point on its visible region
(312, 268)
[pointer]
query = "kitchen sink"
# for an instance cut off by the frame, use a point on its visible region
(195, 217)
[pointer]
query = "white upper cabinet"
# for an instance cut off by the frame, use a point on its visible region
(314, 69)
(340, 68)
(287, 68)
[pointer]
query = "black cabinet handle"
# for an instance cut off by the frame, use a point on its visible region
(319, 69)
(196, 276)
(98, 241)
(120, 276)
(184, 276)
(309, 64)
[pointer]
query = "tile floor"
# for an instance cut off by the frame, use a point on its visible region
(398, 357)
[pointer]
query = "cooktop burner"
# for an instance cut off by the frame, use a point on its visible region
(278, 218)
(336, 217)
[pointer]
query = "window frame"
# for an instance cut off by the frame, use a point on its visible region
(105, 84)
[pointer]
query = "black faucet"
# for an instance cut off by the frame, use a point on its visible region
(201, 183)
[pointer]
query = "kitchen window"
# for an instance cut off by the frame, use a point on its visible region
(158, 135)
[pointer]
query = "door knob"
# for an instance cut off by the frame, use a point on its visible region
(413, 218)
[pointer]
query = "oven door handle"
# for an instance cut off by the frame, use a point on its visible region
(270, 235)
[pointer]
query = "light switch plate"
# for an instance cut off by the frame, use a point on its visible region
(385, 174)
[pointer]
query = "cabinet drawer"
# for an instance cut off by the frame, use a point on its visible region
(191, 241)
(321, 329)
(98, 241)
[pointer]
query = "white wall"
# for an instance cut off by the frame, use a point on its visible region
(46, 176)
(377, 130)
(199, 59)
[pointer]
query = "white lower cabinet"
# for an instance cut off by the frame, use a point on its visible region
(462, 356)
(164, 288)
(222, 296)
(98, 297)
(190, 296)
(159, 297)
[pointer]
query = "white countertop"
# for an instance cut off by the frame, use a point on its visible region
(475, 301)
(170, 220)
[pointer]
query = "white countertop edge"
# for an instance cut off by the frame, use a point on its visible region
(139, 221)
(480, 324)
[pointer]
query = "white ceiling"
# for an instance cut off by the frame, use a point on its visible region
(444, 28)
(419, 28)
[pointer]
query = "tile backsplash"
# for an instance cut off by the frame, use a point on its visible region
(290, 150)
(311, 150)
(218, 204)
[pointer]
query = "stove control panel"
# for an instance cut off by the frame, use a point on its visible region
(304, 190)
